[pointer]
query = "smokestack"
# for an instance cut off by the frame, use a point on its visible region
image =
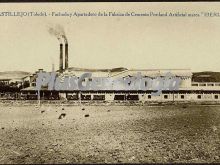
(66, 56)
(59, 33)
(61, 57)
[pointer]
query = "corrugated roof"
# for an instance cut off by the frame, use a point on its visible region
(124, 72)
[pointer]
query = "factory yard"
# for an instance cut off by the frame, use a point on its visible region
(109, 134)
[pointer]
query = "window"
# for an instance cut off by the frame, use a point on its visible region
(149, 96)
(132, 97)
(98, 97)
(166, 96)
(72, 97)
(210, 84)
(85, 97)
(182, 96)
(216, 96)
(199, 96)
(119, 97)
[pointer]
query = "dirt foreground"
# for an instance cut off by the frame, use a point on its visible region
(109, 134)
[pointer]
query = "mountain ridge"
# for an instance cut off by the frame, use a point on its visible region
(13, 74)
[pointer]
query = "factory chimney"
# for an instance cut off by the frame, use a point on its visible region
(59, 33)
(66, 55)
(61, 57)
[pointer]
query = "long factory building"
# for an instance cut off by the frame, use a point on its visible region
(188, 90)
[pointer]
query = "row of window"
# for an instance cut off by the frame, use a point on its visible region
(86, 97)
(183, 97)
(204, 84)
(124, 97)
(200, 97)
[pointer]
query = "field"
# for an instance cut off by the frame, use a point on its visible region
(109, 134)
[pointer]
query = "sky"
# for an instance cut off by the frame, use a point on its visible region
(112, 41)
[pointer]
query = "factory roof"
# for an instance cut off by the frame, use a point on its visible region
(97, 70)
(124, 72)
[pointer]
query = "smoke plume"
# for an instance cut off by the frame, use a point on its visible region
(58, 32)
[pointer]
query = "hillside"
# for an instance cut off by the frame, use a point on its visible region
(13, 74)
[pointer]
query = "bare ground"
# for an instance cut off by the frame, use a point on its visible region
(110, 134)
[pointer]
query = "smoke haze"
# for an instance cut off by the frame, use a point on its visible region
(58, 32)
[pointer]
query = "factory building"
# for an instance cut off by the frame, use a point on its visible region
(187, 91)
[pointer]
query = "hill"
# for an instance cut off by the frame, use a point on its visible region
(13, 74)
